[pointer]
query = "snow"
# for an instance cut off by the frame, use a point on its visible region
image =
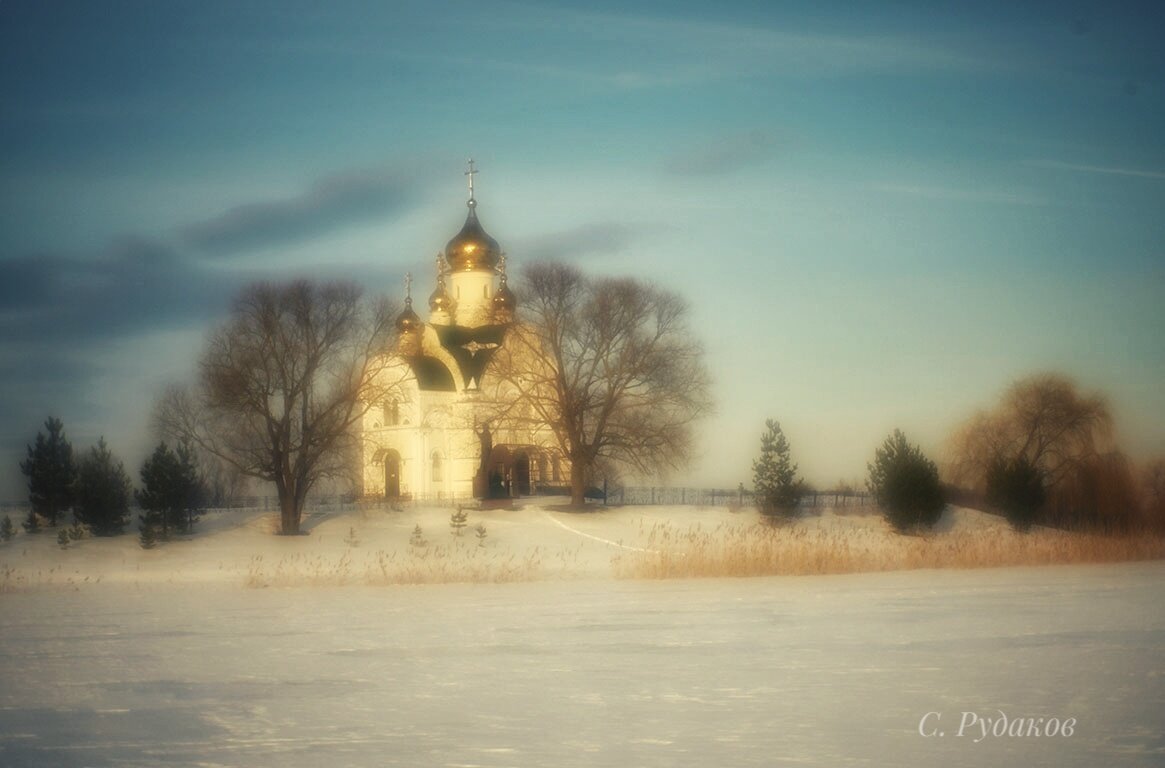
(165, 657)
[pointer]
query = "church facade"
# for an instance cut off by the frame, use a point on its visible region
(436, 435)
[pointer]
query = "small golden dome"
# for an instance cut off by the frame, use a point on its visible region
(472, 248)
(504, 299)
(440, 300)
(407, 320)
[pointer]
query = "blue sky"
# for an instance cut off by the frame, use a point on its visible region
(882, 215)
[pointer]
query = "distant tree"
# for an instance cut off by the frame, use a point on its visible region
(282, 386)
(51, 473)
(610, 364)
(103, 492)
(905, 484)
(172, 493)
(7, 529)
(1016, 487)
(774, 475)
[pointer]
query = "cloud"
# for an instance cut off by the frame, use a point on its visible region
(1141, 173)
(961, 194)
(332, 203)
(133, 285)
(605, 238)
(721, 155)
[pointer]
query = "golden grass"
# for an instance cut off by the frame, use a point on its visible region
(797, 549)
(460, 562)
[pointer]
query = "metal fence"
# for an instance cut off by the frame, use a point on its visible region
(718, 497)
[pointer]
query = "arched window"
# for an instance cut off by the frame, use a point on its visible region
(556, 470)
(391, 412)
(438, 468)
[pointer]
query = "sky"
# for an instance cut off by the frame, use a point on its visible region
(881, 214)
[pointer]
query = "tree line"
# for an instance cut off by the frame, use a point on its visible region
(1044, 454)
(97, 490)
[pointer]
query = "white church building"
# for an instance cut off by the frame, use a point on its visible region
(426, 440)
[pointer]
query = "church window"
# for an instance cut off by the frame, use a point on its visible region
(556, 470)
(437, 467)
(485, 291)
(391, 413)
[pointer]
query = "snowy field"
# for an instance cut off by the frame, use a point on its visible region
(125, 657)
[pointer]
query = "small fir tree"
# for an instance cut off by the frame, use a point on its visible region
(148, 530)
(103, 492)
(51, 473)
(481, 533)
(63, 539)
(7, 529)
(458, 520)
(417, 540)
(905, 484)
(1016, 487)
(774, 475)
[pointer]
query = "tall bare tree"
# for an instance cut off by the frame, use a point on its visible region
(610, 364)
(282, 385)
(1042, 420)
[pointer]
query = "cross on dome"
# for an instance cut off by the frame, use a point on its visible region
(471, 173)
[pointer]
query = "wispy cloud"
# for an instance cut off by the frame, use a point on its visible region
(1106, 170)
(961, 194)
(721, 155)
(330, 204)
(604, 238)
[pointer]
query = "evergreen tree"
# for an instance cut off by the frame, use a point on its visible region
(905, 484)
(172, 492)
(51, 473)
(1017, 488)
(774, 475)
(7, 529)
(103, 492)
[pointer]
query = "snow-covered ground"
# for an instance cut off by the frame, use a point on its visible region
(127, 657)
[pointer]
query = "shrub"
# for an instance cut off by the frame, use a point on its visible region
(1016, 487)
(905, 484)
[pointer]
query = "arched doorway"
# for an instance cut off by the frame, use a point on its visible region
(391, 474)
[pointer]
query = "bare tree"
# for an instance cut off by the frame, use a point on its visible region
(610, 364)
(282, 386)
(1042, 420)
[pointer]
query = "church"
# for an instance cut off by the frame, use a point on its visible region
(437, 435)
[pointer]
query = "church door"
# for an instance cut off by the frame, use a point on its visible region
(391, 475)
(522, 474)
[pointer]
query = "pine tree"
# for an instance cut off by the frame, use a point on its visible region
(51, 474)
(774, 475)
(148, 530)
(172, 491)
(905, 484)
(458, 520)
(103, 492)
(7, 529)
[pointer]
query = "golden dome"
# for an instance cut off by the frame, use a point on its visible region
(407, 320)
(440, 300)
(504, 299)
(472, 248)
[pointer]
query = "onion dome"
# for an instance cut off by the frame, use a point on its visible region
(504, 299)
(440, 300)
(408, 320)
(472, 248)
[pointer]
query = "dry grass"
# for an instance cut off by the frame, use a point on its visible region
(798, 549)
(460, 562)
